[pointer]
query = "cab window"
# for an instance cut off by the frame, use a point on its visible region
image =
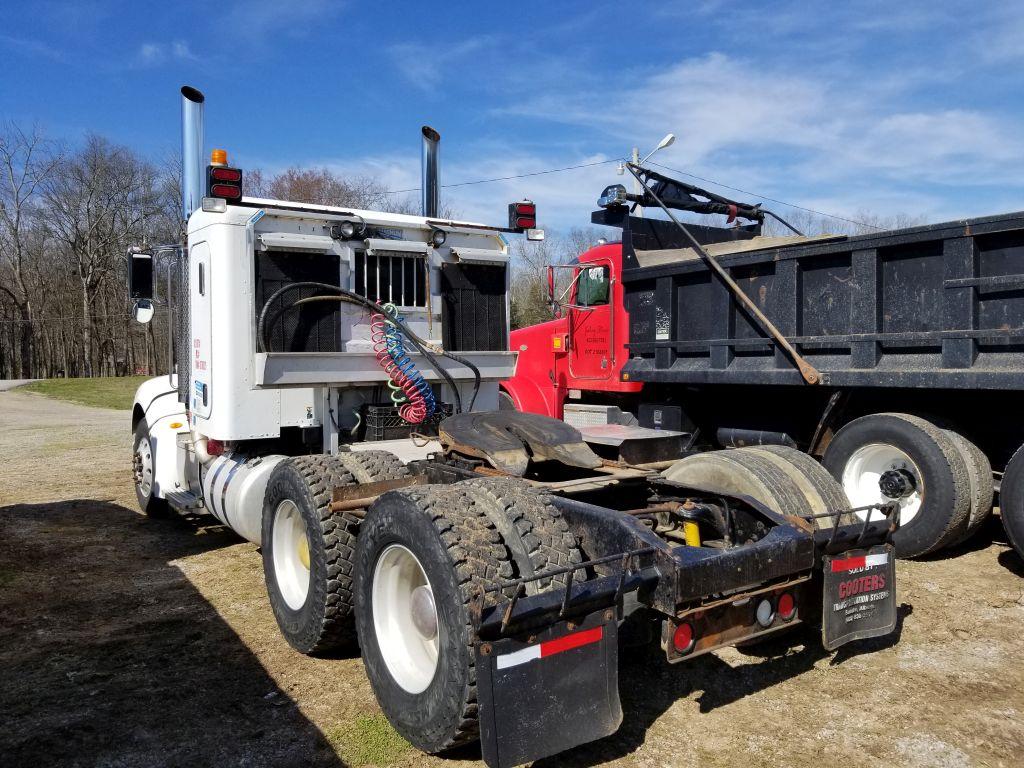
(592, 287)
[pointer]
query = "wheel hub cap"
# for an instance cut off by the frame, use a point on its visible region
(896, 483)
(424, 615)
(405, 620)
(290, 547)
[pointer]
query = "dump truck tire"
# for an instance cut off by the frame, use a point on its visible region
(899, 449)
(308, 554)
(734, 472)
(1011, 501)
(537, 537)
(372, 466)
(143, 470)
(822, 491)
(979, 473)
(424, 554)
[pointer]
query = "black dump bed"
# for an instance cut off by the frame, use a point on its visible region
(933, 306)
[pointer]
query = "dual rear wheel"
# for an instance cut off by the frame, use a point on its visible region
(424, 554)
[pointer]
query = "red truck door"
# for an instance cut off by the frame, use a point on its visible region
(592, 324)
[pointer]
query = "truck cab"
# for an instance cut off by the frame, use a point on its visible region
(583, 349)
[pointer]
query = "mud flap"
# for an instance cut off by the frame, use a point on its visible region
(540, 698)
(859, 595)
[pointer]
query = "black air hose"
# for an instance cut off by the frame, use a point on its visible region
(342, 294)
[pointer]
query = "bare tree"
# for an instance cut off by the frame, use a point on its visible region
(98, 203)
(26, 162)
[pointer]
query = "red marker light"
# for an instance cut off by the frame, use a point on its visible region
(226, 191)
(225, 174)
(683, 638)
(522, 215)
(786, 607)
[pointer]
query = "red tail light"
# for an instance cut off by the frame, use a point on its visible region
(786, 606)
(214, 447)
(522, 215)
(226, 174)
(684, 638)
(227, 191)
(224, 182)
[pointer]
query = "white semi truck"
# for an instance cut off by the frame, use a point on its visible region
(335, 401)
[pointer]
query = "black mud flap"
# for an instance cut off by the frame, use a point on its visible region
(859, 595)
(540, 698)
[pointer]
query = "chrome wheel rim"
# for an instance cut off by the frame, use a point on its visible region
(863, 473)
(405, 618)
(291, 554)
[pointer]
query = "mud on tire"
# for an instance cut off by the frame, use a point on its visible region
(461, 553)
(537, 537)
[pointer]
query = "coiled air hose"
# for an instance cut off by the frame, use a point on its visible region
(350, 297)
(410, 392)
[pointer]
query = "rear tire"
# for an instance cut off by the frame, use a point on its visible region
(979, 472)
(458, 551)
(820, 489)
(935, 510)
(308, 554)
(1011, 501)
(372, 466)
(748, 474)
(533, 530)
(144, 471)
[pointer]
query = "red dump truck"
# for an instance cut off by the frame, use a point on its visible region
(896, 358)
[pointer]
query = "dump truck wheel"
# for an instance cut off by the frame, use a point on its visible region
(1011, 501)
(898, 456)
(372, 466)
(424, 553)
(979, 473)
(537, 537)
(308, 554)
(144, 470)
(822, 491)
(748, 474)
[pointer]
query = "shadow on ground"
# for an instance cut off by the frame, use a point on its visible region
(648, 686)
(109, 655)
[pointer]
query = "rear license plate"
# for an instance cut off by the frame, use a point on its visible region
(859, 595)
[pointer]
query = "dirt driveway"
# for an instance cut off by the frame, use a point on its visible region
(131, 642)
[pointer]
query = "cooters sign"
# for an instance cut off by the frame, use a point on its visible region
(859, 595)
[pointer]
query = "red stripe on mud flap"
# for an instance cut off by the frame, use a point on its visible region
(568, 642)
(838, 566)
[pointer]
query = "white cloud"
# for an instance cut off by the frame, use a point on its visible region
(426, 66)
(154, 53)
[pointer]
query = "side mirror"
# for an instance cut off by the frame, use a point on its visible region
(140, 276)
(143, 311)
(551, 286)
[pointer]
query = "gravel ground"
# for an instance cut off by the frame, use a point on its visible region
(132, 642)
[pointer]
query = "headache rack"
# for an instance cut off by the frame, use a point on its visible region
(395, 277)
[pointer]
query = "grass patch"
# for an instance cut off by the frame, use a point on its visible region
(369, 740)
(112, 392)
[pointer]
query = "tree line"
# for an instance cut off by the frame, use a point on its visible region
(68, 216)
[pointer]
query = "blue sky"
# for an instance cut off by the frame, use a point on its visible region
(886, 107)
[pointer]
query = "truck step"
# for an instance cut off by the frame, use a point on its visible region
(582, 415)
(184, 501)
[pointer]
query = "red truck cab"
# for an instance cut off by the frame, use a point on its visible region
(583, 350)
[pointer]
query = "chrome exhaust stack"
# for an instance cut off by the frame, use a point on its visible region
(192, 151)
(430, 183)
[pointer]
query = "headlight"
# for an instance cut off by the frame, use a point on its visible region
(437, 237)
(346, 230)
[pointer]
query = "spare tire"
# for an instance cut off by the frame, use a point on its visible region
(897, 456)
(735, 472)
(1011, 501)
(821, 490)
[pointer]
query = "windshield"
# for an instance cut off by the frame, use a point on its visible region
(592, 287)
